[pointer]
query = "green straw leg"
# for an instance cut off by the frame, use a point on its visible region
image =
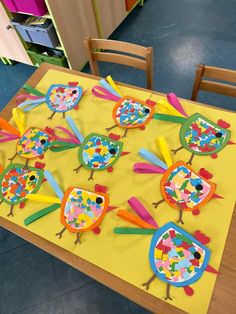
(134, 231)
(32, 90)
(166, 117)
(41, 213)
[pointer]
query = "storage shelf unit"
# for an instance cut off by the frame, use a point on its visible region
(72, 21)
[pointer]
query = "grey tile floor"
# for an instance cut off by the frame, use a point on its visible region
(183, 34)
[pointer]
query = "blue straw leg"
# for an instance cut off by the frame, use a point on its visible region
(75, 129)
(53, 184)
(107, 86)
(30, 104)
(145, 154)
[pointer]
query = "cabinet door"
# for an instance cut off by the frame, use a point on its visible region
(109, 13)
(74, 20)
(11, 46)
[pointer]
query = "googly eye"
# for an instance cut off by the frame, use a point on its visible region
(197, 255)
(147, 110)
(99, 200)
(43, 141)
(32, 178)
(112, 151)
(74, 91)
(218, 134)
(199, 187)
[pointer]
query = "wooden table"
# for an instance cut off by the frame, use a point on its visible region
(224, 295)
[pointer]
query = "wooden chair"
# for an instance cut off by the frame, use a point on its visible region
(213, 73)
(144, 61)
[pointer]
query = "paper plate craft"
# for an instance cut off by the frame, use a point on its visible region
(199, 135)
(96, 152)
(32, 142)
(16, 182)
(81, 210)
(59, 98)
(129, 112)
(176, 257)
(181, 187)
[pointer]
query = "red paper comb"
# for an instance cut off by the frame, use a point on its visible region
(39, 165)
(205, 174)
(114, 136)
(73, 83)
(49, 130)
(223, 124)
(151, 102)
(201, 237)
(101, 188)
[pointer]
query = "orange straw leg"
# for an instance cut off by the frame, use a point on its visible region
(133, 219)
(5, 125)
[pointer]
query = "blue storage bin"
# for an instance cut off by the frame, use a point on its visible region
(43, 35)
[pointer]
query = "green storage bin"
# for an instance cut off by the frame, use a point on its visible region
(38, 56)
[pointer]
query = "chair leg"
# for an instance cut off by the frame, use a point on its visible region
(149, 70)
(92, 62)
(197, 81)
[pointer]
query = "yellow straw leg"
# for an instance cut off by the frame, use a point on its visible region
(43, 198)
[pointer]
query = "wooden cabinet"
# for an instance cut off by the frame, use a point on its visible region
(74, 21)
(10, 44)
(110, 13)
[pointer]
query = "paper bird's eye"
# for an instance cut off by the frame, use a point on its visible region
(32, 178)
(197, 255)
(74, 91)
(199, 187)
(146, 110)
(218, 134)
(112, 151)
(99, 200)
(43, 141)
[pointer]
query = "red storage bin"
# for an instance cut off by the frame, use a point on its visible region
(34, 7)
(129, 4)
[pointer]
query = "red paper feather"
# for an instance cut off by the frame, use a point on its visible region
(201, 237)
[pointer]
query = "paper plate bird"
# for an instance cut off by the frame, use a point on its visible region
(181, 186)
(33, 142)
(16, 181)
(176, 257)
(59, 98)
(129, 112)
(96, 152)
(81, 210)
(198, 134)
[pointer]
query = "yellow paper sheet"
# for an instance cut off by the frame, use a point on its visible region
(126, 256)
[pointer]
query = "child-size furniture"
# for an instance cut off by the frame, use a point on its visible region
(143, 59)
(202, 82)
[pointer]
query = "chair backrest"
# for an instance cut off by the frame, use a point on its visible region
(144, 61)
(204, 72)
